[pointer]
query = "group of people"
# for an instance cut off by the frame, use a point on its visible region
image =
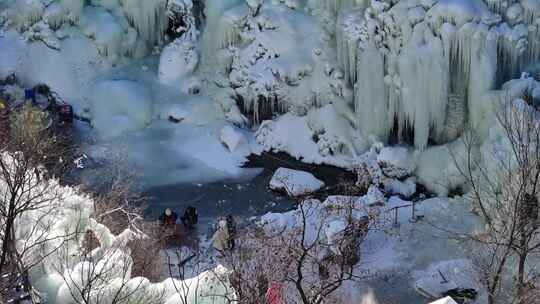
(190, 218)
(224, 237)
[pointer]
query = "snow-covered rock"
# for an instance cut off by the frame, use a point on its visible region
(321, 136)
(232, 138)
(396, 161)
(406, 188)
(294, 182)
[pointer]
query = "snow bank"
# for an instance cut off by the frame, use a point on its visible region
(295, 183)
(119, 106)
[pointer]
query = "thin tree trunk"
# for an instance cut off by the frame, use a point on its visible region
(6, 240)
(521, 288)
(496, 280)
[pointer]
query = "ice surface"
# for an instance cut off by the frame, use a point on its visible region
(294, 182)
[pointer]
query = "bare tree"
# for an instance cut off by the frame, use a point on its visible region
(104, 274)
(505, 192)
(31, 152)
(300, 259)
(106, 270)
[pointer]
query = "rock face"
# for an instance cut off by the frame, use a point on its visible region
(295, 183)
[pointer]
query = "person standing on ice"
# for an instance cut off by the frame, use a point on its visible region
(231, 229)
(220, 240)
(168, 218)
(190, 218)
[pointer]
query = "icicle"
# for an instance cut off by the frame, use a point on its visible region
(73, 8)
(531, 11)
(55, 16)
(370, 100)
(26, 13)
(424, 106)
(499, 6)
(329, 10)
(228, 32)
(215, 10)
(348, 34)
(512, 45)
(148, 17)
(533, 50)
(482, 74)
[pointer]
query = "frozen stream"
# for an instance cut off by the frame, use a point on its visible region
(184, 163)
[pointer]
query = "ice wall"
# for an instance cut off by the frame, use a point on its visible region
(421, 68)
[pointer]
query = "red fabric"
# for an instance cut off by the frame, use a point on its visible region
(274, 295)
(170, 220)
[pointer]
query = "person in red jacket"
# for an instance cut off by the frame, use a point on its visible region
(168, 218)
(274, 294)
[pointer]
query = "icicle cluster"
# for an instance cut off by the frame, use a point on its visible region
(148, 17)
(219, 28)
(348, 33)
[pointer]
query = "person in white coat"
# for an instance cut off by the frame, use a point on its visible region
(221, 237)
